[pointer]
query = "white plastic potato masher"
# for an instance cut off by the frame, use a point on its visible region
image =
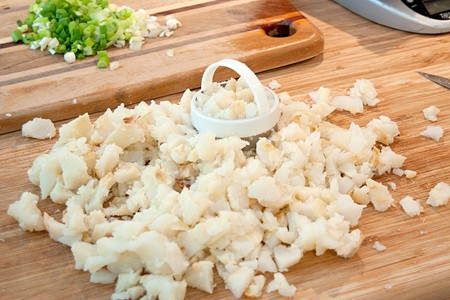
(266, 119)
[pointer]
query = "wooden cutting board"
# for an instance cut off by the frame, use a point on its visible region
(416, 263)
(37, 84)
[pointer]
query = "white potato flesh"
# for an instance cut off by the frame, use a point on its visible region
(26, 212)
(156, 206)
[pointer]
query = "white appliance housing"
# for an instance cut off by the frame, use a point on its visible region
(419, 16)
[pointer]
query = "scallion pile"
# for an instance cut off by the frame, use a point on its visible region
(87, 27)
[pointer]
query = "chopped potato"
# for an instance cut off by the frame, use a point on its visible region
(39, 128)
(155, 206)
(26, 212)
(439, 195)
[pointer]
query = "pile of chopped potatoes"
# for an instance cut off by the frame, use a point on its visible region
(230, 101)
(155, 206)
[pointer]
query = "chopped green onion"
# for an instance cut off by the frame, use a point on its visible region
(84, 27)
(103, 60)
(102, 44)
(43, 33)
(89, 42)
(88, 51)
(16, 36)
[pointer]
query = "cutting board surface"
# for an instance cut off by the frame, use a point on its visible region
(37, 84)
(416, 263)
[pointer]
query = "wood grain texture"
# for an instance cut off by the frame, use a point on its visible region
(416, 265)
(37, 84)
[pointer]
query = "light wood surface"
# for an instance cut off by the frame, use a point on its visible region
(37, 84)
(417, 261)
